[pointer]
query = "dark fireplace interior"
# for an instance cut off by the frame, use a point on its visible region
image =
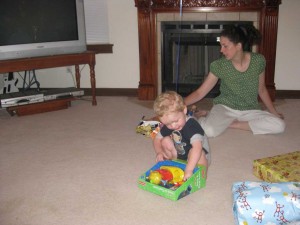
(188, 48)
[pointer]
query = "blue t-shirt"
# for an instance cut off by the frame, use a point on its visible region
(184, 138)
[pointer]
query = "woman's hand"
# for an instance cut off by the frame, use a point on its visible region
(280, 115)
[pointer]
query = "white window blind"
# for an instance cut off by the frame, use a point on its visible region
(96, 21)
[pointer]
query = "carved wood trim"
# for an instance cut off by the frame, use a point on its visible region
(147, 10)
(165, 4)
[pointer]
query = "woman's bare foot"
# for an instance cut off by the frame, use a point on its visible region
(200, 113)
(242, 125)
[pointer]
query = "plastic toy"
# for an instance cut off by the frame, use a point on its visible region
(149, 128)
(164, 188)
(166, 175)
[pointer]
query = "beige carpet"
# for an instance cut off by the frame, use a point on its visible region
(80, 166)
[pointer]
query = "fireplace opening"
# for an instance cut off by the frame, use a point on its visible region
(188, 48)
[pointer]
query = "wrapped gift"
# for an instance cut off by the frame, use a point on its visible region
(280, 168)
(266, 203)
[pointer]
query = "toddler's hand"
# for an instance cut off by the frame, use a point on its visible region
(187, 175)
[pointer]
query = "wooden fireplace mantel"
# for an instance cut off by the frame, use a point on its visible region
(147, 10)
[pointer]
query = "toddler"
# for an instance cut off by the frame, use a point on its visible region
(181, 136)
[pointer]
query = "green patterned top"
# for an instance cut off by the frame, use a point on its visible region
(238, 90)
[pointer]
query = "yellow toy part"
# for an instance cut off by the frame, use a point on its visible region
(155, 177)
(177, 173)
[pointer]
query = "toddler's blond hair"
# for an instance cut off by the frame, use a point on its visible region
(167, 102)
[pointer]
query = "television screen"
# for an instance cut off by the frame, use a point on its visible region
(30, 28)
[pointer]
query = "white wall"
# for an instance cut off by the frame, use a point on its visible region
(117, 70)
(287, 69)
(121, 68)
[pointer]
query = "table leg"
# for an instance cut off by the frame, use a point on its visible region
(93, 83)
(77, 75)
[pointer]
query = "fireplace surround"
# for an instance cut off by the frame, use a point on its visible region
(148, 11)
(187, 50)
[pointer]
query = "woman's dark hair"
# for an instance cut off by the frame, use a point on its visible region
(247, 35)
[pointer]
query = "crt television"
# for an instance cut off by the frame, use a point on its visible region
(33, 28)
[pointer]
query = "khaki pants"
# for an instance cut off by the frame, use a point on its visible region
(220, 117)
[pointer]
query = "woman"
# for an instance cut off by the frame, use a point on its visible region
(242, 80)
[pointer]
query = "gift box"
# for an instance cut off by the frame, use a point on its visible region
(172, 188)
(266, 203)
(279, 168)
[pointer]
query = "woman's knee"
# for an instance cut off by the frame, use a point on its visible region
(279, 126)
(276, 124)
(211, 132)
(270, 125)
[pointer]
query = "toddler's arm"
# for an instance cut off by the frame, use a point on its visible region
(158, 149)
(193, 158)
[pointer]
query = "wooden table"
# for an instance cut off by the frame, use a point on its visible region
(77, 59)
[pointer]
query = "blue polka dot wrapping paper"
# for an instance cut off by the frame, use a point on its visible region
(266, 203)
